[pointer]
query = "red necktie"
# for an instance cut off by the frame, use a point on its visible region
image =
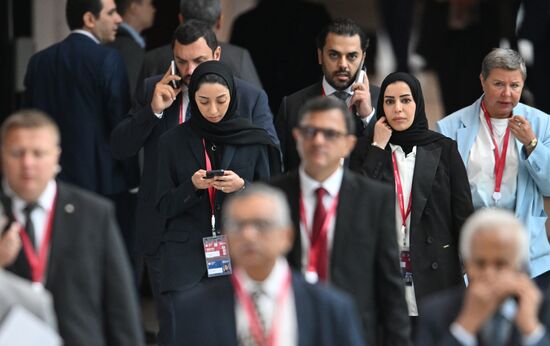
(318, 237)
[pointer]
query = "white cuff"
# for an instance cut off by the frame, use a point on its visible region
(159, 115)
(367, 119)
(534, 337)
(462, 335)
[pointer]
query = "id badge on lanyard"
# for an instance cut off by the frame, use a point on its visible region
(216, 250)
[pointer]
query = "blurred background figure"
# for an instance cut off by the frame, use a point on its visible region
(137, 15)
(501, 305)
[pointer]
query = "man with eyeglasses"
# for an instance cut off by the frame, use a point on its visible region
(347, 236)
(264, 301)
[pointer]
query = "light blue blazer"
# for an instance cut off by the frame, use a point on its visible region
(533, 176)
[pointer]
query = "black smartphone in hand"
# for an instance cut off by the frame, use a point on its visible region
(214, 173)
(173, 71)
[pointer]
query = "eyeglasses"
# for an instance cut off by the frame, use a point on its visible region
(260, 225)
(309, 132)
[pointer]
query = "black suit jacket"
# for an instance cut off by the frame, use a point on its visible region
(88, 273)
(206, 316)
(287, 119)
(83, 86)
(186, 209)
(441, 202)
(238, 59)
(132, 54)
(142, 129)
(364, 256)
(441, 310)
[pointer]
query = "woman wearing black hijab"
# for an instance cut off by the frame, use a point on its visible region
(214, 138)
(429, 179)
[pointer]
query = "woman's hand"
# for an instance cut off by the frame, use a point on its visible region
(10, 245)
(229, 182)
(198, 180)
(382, 133)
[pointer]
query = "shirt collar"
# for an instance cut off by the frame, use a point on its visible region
(329, 89)
(395, 147)
(272, 284)
(44, 201)
(332, 184)
(135, 35)
(86, 33)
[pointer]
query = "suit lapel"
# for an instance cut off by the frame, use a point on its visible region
(196, 147)
(344, 215)
(427, 160)
(172, 113)
(66, 220)
(304, 312)
(293, 192)
(227, 328)
(467, 133)
(228, 153)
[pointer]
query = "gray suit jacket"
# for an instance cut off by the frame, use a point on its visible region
(16, 291)
(157, 61)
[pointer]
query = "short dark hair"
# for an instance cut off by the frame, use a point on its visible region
(28, 119)
(342, 27)
(208, 11)
(191, 30)
(75, 9)
(122, 6)
(326, 103)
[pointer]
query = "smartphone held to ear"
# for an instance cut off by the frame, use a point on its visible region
(173, 72)
(214, 173)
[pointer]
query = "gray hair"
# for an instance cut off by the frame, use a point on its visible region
(282, 211)
(499, 220)
(28, 119)
(504, 58)
(208, 11)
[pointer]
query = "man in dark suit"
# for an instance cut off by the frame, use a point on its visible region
(86, 269)
(501, 305)
(341, 49)
(346, 222)
(210, 12)
(137, 15)
(161, 107)
(259, 233)
(84, 86)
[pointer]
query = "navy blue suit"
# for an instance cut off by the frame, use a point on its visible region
(324, 316)
(83, 86)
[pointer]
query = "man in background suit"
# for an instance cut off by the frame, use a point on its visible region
(209, 11)
(16, 291)
(137, 15)
(341, 49)
(346, 222)
(158, 109)
(501, 305)
(86, 270)
(259, 233)
(84, 86)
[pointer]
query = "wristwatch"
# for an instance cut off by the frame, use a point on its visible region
(532, 144)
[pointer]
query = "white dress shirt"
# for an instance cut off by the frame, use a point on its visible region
(39, 215)
(405, 163)
(287, 323)
(329, 90)
(308, 187)
(481, 166)
(86, 33)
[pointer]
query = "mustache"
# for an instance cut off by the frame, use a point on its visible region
(343, 72)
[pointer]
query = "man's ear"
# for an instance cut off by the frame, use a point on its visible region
(218, 53)
(89, 20)
(319, 56)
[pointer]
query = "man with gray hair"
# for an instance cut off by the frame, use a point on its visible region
(210, 12)
(505, 146)
(501, 305)
(264, 300)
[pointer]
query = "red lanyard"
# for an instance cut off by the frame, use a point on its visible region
(400, 197)
(314, 250)
(38, 259)
(260, 336)
(211, 190)
(500, 159)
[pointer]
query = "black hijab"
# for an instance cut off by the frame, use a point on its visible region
(418, 133)
(232, 129)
